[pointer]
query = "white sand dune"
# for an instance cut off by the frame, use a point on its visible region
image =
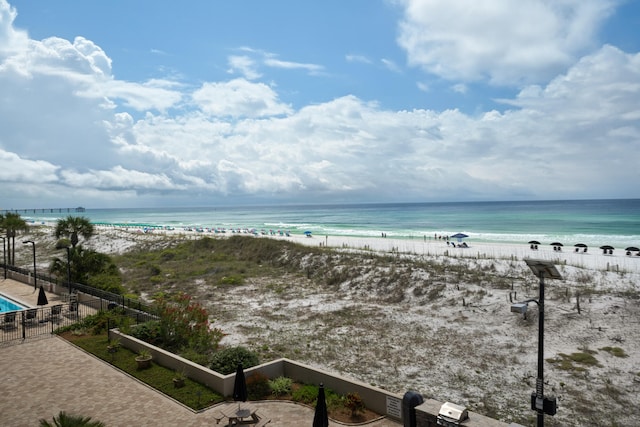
(453, 340)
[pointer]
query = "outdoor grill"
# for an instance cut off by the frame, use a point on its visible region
(452, 415)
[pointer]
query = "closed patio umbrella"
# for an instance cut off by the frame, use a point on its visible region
(240, 386)
(42, 297)
(321, 416)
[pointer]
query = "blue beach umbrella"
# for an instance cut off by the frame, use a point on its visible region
(307, 233)
(459, 236)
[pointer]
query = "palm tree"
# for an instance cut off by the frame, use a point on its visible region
(10, 223)
(89, 267)
(73, 226)
(65, 420)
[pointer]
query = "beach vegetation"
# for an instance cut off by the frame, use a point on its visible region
(615, 351)
(575, 362)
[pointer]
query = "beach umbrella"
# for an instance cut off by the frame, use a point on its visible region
(42, 297)
(534, 242)
(632, 249)
(321, 416)
(607, 249)
(556, 244)
(459, 236)
(307, 233)
(580, 245)
(240, 386)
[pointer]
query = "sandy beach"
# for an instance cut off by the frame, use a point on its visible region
(119, 239)
(453, 339)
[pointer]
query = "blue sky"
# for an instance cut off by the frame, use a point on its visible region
(119, 103)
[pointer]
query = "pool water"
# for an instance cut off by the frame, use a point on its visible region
(9, 305)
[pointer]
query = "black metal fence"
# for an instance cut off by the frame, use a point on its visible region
(23, 275)
(81, 302)
(32, 322)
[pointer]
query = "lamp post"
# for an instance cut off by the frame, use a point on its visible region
(542, 405)
(4, 256)
(35, 275)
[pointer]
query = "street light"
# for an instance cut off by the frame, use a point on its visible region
(542, 405)
(4, 256)
(35, 275)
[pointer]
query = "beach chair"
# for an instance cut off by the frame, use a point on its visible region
(56, 312)
(9, 321)
(30, 316)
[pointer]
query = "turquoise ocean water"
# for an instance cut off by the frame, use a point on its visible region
(592, 222)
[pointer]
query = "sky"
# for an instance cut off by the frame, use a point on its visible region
(207, 103)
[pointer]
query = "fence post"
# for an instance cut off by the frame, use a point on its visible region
(24, 323)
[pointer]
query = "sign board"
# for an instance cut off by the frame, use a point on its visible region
(394, 407)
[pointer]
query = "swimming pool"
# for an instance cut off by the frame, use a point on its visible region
(7, 304)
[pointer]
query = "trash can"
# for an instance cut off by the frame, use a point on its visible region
(410, 400)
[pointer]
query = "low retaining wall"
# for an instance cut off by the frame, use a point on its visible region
(376, 399)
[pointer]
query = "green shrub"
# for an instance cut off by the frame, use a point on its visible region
(147, 332)
(226, 361)
(280, 386)
(305, 394)
(354, 403)
(98, 323)
(257, 386)
(308, 394)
